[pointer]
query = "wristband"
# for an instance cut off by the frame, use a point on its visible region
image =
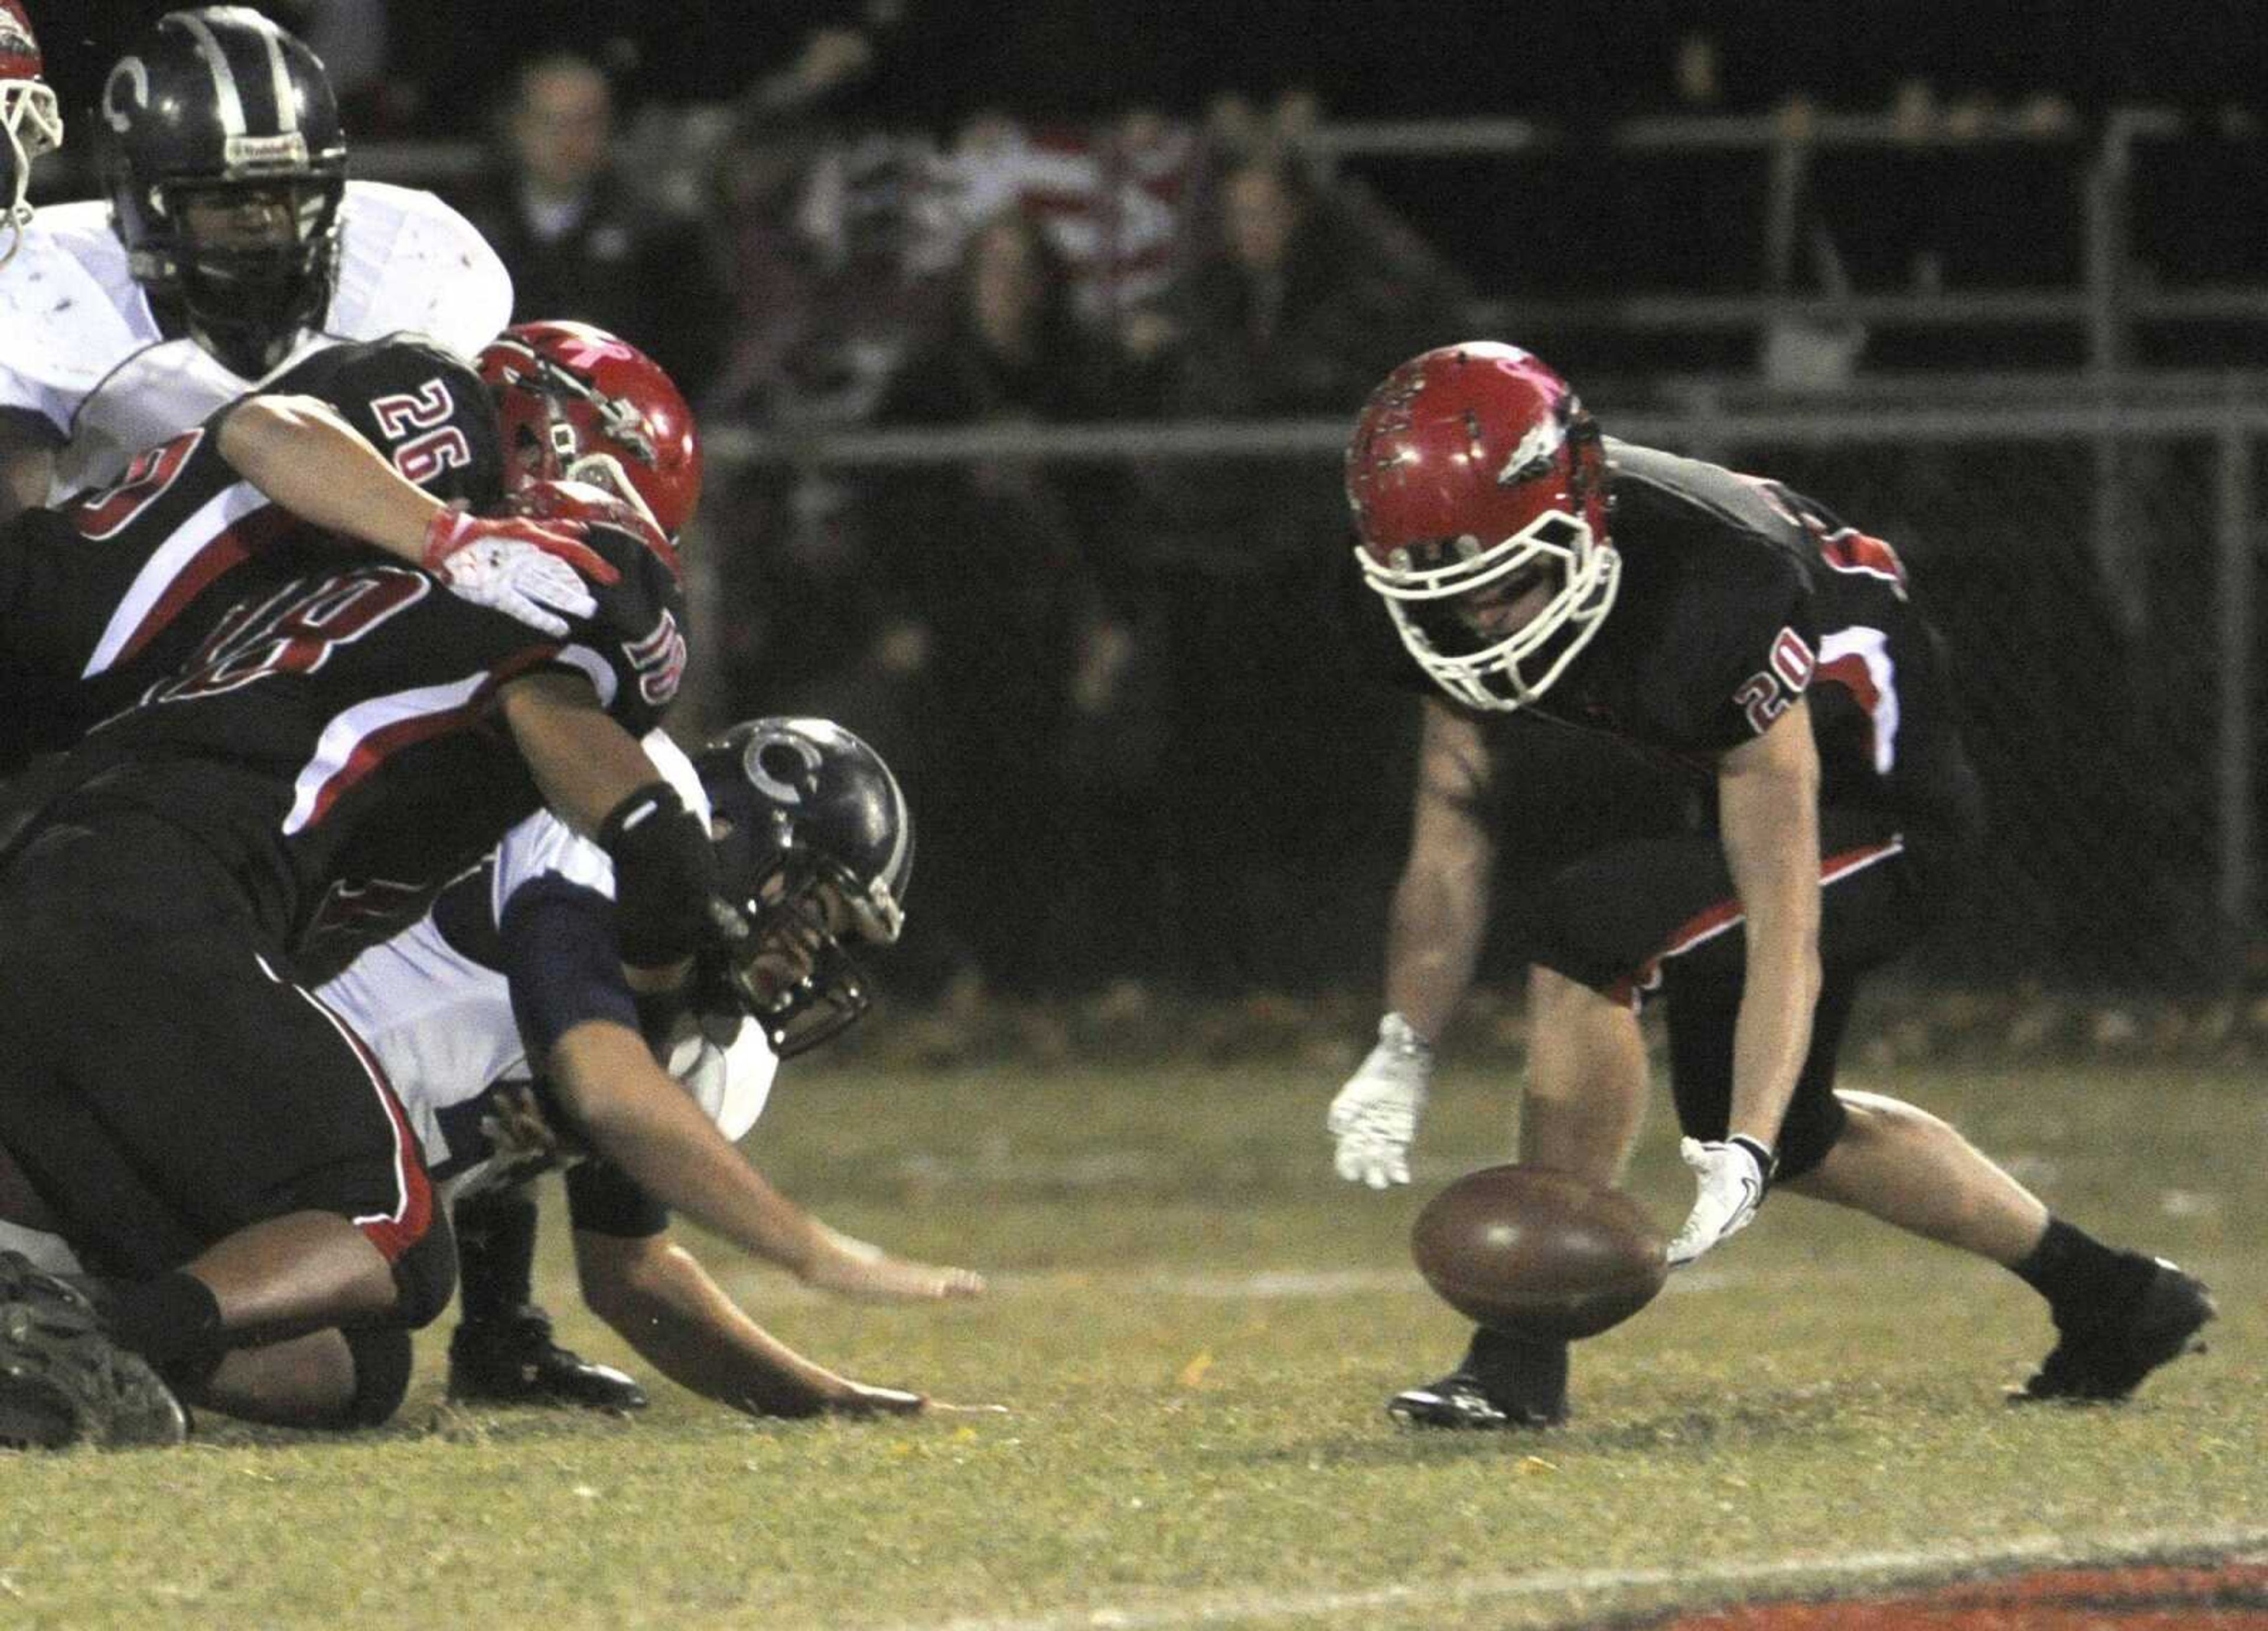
(1767, 1162)
(1400, 1035)
(443, 535)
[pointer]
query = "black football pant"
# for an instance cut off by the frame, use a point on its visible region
(1659, 916)
(163, 1081)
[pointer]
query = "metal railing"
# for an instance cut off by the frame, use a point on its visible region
(2020, 470)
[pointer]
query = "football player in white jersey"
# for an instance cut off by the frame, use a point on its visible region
(517, 1042)
(230, 244)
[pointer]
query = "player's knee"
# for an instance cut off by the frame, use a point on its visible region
(426, 1277)
(382, 1358)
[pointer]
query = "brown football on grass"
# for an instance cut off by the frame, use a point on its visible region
(1535, 1253)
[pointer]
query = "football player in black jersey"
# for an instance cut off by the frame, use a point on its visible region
(1767, 660)
(184, 1112)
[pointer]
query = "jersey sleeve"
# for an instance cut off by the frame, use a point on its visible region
(633, 648)
(419, 404)
(604, 1199)
(1758, 662)
(562, 962)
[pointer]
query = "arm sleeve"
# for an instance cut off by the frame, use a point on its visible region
(606, 1201)
(562, 962)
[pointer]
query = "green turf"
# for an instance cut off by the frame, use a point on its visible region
(1185, 1450)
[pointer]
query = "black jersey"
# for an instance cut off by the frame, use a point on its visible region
(330, 737)
(115, 588)
(1740, 596)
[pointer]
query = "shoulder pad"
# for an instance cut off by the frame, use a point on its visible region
(409, 262)
(71, 309)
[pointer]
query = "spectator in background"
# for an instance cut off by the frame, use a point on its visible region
(1003, 637)
(579, 240)
(1287, 313)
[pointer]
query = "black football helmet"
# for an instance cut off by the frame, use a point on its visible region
(220, 102)
(815, 842)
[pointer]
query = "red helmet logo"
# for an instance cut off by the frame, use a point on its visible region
(1478, 487)
(579, 403)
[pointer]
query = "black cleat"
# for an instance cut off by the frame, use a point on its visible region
(513, 1360)
(63, 1381)
(2104, 1361)
(1457, 1400)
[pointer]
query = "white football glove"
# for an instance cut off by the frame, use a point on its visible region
(1375, 1115)
(532, 571)
(1734, 1175)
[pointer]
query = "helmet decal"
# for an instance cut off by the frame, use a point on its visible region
(782, 764)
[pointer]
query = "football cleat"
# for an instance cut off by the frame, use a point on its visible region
(62, 1380)
(1457, 1400)
(513, 1360)
(2104, 1361)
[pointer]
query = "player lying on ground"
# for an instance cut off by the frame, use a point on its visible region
(229, 241)
(817, 847)
(328, 753)
(1768, 659)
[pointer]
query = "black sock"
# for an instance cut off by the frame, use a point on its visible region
(171, 1320)
(496, 1254)
(1510, 1371)
(2082, 1279)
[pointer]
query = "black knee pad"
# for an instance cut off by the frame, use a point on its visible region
(381, 1374)
(425, 1275)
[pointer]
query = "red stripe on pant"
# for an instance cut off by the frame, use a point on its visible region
(1708, 923)
(393, 1232)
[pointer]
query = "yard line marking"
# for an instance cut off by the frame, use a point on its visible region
(1259, 1284)
(1886, 1569)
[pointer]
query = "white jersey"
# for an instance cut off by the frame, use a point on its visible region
(83, 350)
(442, 1024)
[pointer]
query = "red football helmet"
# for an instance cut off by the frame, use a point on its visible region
(30, 121)
(577, 402)
(1479, 485)
(560, 499)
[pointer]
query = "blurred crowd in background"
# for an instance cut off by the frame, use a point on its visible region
(1123, 694)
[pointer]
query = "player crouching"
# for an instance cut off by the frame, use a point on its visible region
(519, 1041)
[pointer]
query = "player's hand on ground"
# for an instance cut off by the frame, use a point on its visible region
(537, 572)
(1374, 1117)
(852, 1267)
(857, 1399)
(1734, 1175)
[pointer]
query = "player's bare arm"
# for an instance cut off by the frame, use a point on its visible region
(1441, 906)
(1433, 939)
(650, 1128)
(1767, 801)
(302, 453)
(583, 762)
(665, 1304)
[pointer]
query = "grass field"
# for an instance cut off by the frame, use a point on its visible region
(1195, 1325)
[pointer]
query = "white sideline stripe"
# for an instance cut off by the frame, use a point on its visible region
(1916, 1567)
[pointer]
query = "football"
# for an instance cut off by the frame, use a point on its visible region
(1531, 1252)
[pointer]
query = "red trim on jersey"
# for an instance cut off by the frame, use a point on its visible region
(1713, 921)
(1850, 670)
(381, 744)
(231, 547)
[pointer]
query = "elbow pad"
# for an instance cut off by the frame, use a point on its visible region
(665, 876)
